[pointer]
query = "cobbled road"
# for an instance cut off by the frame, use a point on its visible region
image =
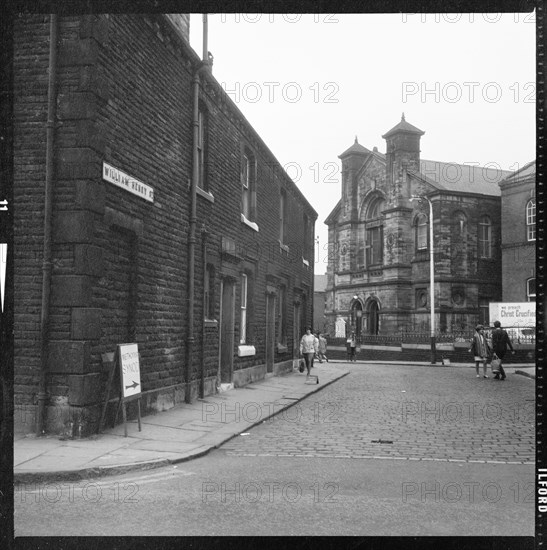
(404, 412)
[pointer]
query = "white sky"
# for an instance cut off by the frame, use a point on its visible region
(466, 80)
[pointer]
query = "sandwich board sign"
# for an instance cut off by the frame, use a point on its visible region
(126, 360)
(130, 378)
(130, 374)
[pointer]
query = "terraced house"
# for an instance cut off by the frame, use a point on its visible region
(148, 210)
(379, 240)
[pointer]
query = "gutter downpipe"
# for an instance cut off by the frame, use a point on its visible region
(48, 210)
(193, 216)
(204, 236)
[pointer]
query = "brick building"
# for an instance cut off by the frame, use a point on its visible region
(378, 271)
(518, 235)
(147, 210)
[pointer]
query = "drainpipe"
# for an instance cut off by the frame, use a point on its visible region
(204, 235)
(48, 209)
(193, 216)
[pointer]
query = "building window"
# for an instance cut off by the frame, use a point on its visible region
(243, 316)
(202, 148)
(371, 252)
(531, 220)
(485, 237)
(283, 216)
(484, 314)
(282, 315)
(460, 224)
(307, 237)
(421, 232)
(209, 293)
(374, 246)
(531, 289)
(361, 259)
(248, 186)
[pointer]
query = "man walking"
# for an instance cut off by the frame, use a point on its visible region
(500, 342)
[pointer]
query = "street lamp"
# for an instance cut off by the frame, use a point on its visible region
(431, 276)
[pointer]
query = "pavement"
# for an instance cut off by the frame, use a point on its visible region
(182, 433)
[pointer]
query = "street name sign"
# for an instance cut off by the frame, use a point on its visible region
(127, 182)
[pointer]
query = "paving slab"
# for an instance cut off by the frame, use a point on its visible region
(168, 437)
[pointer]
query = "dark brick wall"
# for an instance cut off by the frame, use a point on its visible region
(519, 254)
(120, 263)
(31, 47)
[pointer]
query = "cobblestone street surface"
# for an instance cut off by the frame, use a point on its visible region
(404, 412)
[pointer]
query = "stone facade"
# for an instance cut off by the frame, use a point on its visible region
(319, 296)
(518, 214)
(379, 249)
(120, 253)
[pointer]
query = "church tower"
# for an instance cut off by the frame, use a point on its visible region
(352, 160)
(402, 156)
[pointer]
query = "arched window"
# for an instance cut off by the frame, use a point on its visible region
(485, 237)
(420, 229)
(374, 235)
(531, 220)
(375, 209)
(460, 224)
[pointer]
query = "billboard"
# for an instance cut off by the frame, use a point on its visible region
(519, 318)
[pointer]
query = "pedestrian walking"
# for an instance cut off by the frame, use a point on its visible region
(308, 348)
(351, 344)
(322, 354)
(480, 349)
(500, 343)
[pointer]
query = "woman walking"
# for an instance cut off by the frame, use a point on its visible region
(480, 349)
(308, 348)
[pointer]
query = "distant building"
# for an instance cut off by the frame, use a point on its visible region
(518, 235)
(319, 302)
(378, 271)
(215, 288)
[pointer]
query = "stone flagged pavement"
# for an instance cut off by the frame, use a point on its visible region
(176, 435)
(185, 432)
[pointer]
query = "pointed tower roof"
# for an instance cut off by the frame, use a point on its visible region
(356, 148)
(403, 127)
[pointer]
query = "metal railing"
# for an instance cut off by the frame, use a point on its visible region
(518, 335)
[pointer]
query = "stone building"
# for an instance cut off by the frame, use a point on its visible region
(319, 301)
(148, 210)
(379, 261)
(518, 235)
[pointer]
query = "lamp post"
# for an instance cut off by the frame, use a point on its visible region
(431, 277)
